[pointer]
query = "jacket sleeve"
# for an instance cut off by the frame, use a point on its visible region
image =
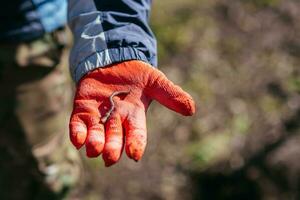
(109, 31)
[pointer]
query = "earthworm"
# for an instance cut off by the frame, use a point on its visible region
(112, 103)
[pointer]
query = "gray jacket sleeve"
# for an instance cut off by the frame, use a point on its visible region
(109, 31)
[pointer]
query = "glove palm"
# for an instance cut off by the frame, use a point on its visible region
(141, 83)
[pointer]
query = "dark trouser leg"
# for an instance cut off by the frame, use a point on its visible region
(36, 157)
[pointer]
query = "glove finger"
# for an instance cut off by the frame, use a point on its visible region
(77, 131)
(168, 94)
(95, 140)
(85, 113)
(136, 135)
(113, 140)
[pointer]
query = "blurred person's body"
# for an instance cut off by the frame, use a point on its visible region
(36, 159)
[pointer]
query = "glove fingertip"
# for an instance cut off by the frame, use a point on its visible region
(134, 153)
(94, 149)
(183, 104)
(78, 146)
(92, 153)
(77, 133)
(190, 107)
(109, 161)
(78, 140)
(111, 156)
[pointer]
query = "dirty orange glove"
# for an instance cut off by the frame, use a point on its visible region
(93, 125)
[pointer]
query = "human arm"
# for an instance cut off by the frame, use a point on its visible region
(115, 50)
(109, 31)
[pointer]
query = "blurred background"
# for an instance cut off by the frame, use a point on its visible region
(240, 60)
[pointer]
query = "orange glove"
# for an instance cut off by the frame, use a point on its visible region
(92, 125)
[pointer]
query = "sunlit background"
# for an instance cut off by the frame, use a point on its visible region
(239, 59)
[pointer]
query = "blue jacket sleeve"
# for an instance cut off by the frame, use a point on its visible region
(109, 31)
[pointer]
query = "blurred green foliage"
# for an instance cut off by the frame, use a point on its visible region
(264, 3)
(209, 150)
(240, 61)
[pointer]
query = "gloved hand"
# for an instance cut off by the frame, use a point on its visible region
(140, 83)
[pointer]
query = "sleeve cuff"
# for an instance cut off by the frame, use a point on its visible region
(107, 57)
